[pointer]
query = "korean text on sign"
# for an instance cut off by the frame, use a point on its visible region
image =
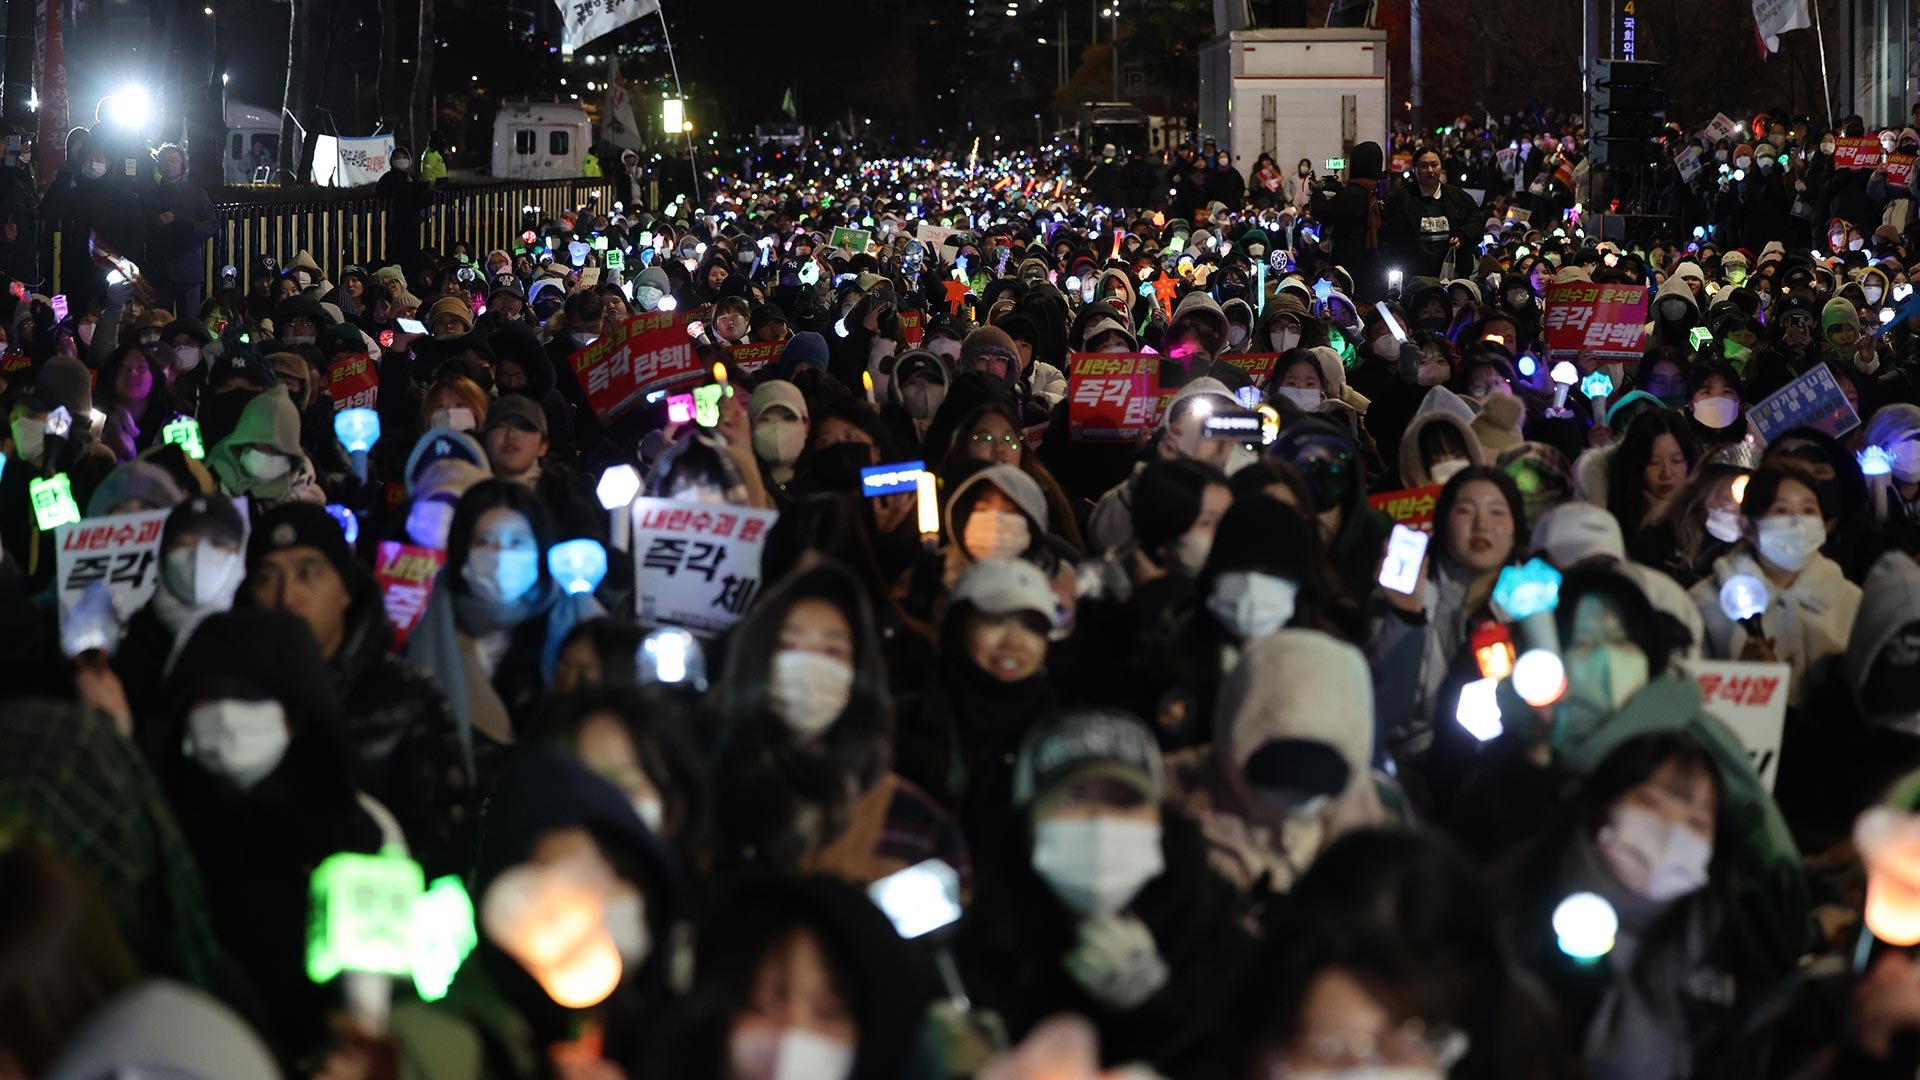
(1112, 397)
(1860, 153)
(646, 353)
(696, 565)
(755, 355)
(122, 551)
(1899, 170)
(1606, 320)
(405, 573)
(1258, 366)
(1812, 400)
(1412, 507)
(1751, 699)
(353, 382)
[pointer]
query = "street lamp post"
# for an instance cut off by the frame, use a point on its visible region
(1114, 41)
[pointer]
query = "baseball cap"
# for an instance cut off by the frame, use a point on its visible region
(519, 410)
(1006, 587)
(295, 525)
(777, 393)
(1105, 742)
(1575, 532)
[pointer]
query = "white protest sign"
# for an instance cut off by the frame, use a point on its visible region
(696, 565)
(123, 551)
(1720, 128)
(932, 235)
(1751, 699)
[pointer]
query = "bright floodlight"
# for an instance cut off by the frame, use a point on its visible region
(1539, 677)
(618, 486)
(1586, 925)
(132, 107)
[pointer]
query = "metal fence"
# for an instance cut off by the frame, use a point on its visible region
(347, 230)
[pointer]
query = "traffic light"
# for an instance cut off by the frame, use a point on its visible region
(1629, 112)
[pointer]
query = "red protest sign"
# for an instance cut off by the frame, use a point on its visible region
(405, 573)
(1258, 366)
(751, 356)
(1899, 170)
(1607, 320)
(910, 326)
(1861, 153)
(14, 360)
(1112, 397)
(646, 353)
(1412, 507)
(353, 382)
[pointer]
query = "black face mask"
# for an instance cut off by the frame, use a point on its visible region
(1437, 323)
(1330, 483)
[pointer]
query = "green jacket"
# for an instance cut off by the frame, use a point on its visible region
(433, 166)
(590, 165)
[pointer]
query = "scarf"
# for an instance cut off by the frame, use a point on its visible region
(445, 644)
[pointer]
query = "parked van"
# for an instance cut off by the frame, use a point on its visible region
(248, 125)
(540, 140)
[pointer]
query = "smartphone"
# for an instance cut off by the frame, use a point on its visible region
(411, 326)
(1393, 284)
(919, 900)
(1406, 549)
(1393, 324)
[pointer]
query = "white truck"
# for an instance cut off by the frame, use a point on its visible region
(540, 140)
(1294, 94)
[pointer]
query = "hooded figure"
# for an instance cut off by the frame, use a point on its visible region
(1440, 441)
(1111, 525)
(201, 567)
(1329, 459)
(914, 395)
(1674, 313)
(516, 344)
(1289, 771)
(975, 534)
(262, 459)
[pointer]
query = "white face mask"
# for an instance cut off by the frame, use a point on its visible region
(1716, 412)
(1791, 542)
(946, 348)
(1873, 293)
(29, 438)
(299, 339)
(1652, 856)
(203, 575)
(242, 741)
(401, 164)
(1284, 339)
(186, 357)
(995, 534)
(428, 523)
(1236, 335)
(1906, 460)
(1307, 398)
(1385, 347)
(1443, 471)
(778, 442)
(808, 691)
(647, 297)
(922, 398)
(1723, 524)
(1743, 163)
(1097, 865)
(94, 170)
(1252, 604)
(501, 575)
(788, 1054)
(627, 921)
(1606, 677)
(265, 464)
(460, 419)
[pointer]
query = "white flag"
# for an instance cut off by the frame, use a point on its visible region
(588, 19)
(1775, 17)
(616, 114)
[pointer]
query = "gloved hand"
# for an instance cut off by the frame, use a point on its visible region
(1116, 961)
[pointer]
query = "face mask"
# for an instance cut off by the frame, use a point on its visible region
(1716, 412)
(1652, 856)
(1517, 298)
(995, 534)
(789, 1054)
(1723, 524)
(1766, 165)
(1307, 398)
(581, 341)
(299, 339)
(947, 349)
(1743, 163)
(501, 576)
(647, 297)
(203, 575)
(1385, 347)
(1236, 335)
(1673, 310)
(923, 399)
(429, 521)
(778, 443)
(1719, 155)
(1097, 865)
(94, 170)
(1252, 604)
(1906, 461)
(1856, 243)
(1791, 542)
(186, 357)
(29, 438)
(626, 918)
(401, 164)
(1873, 293)
(460, 419)
(1826, 147)
(1285, 339)
(1327, 482)
(1190, 552)
(1443, 471)
(242, 741)
(808, 691)
(265, 464)
(1607, 676)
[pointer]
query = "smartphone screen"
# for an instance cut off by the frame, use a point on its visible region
(411, 326)
(1406, 548)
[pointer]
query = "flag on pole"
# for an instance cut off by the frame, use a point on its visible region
(786, 105)
(616, 116)
(588, 19)
(1771, 18)
(50, 86)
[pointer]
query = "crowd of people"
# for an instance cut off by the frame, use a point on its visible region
(1183, 712)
